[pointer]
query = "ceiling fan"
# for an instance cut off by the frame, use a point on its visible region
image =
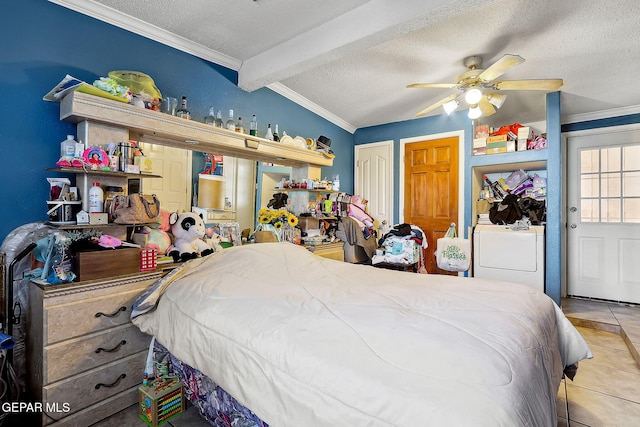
(479, 88)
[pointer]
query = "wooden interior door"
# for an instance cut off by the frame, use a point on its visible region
(431, 190)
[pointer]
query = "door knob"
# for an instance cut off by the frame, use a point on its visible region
(573, 226)
(573, 209)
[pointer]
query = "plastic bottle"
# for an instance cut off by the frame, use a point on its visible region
(96, 198)
(336, 183)
(68, 147)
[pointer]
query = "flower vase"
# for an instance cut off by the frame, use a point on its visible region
(287, 234)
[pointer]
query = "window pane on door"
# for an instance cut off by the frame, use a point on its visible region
(589, 161)
(610, 209)
(631, 160)
(631, 184)
(590, 210)
(590, 185)
(610, 184)
(631, 210)
(610, 159)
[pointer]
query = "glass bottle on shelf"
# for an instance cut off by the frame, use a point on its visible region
(269, 134)
(253, 126)
(276, 136)
(239, 126)
(218, 122)
(183, 112)
(211, 118)
(230, 124)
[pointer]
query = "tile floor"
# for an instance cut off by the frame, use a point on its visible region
(605, 391)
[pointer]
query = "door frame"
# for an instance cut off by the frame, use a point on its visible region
(564, 238)
(461, 175)
(390, 198)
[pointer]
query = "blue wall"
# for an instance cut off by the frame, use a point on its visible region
(42, 42)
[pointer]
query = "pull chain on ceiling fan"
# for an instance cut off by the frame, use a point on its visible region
(479, 90)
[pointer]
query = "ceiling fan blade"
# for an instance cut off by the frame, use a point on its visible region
(486, 107)
(436, 105)
(499, 67)
(532, 84)
(432, 85)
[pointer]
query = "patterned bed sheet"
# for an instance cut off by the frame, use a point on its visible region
(215, 405)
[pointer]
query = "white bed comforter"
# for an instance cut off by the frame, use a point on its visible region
(307, 341)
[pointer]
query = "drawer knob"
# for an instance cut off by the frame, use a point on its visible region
(111, 350)
(114, 314)
(113, 384)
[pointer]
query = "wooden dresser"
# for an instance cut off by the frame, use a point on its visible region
(85, 357)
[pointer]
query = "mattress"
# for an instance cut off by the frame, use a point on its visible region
(304, 340)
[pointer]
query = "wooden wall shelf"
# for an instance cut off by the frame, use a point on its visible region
(158, 128)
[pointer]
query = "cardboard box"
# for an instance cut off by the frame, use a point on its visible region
(100, 264)
(480, 151)
(482, 131)
(96, 218)
(496, 138)
(479, 142)
(497, 150)
(525, 132)
(521, 145)
(307, 222)
(511, 146)
(495, 147)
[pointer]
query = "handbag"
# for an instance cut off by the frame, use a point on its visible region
(135, 209)
(453, 253)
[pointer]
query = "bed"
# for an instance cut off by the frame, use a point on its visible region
(307, 341)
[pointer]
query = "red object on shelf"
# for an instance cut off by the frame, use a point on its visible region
(148, 260)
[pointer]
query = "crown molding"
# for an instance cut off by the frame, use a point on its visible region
(137, 26)
(283, 90)
(603, 114)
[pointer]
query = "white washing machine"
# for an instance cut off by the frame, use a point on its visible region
(501, 253)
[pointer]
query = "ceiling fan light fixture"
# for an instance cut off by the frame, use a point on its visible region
(474, 112)
(496, 99)
(473, 96)
(450, 107)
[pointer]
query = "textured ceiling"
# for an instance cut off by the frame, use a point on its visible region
(350, 60)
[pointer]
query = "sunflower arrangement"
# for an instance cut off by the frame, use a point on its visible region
(278, 218)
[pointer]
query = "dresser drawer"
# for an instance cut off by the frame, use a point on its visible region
(78, 318)
(77, 355)
(97, 384)
(92, 414)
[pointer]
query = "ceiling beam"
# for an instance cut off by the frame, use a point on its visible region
(373, 23)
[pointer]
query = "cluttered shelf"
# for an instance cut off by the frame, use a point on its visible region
(102, 172)
(310, 190)
(164, 129)
(73, 225)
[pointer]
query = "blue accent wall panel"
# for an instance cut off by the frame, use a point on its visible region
(43, 42)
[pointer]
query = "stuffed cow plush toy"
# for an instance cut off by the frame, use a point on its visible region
(188, 229)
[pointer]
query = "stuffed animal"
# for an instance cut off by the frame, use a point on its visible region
(188, 230)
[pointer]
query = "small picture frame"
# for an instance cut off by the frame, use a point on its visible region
(230, 231)
(95, 157)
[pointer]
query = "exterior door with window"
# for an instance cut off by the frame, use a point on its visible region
(603, 218)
